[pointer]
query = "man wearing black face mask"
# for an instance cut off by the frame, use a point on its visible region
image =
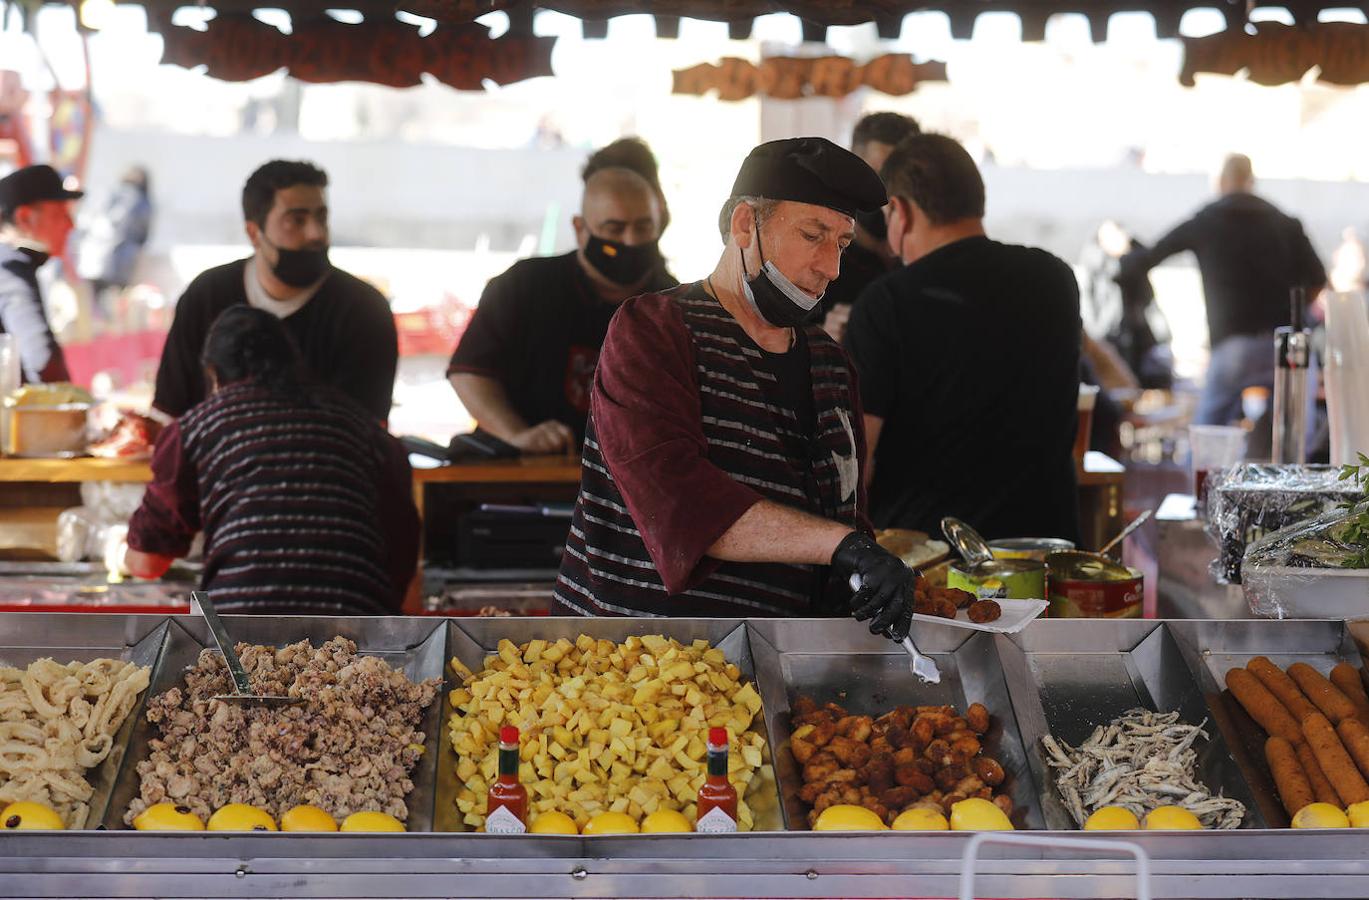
(342, 325)
(868, 257)
(723, 450)
(524, 365)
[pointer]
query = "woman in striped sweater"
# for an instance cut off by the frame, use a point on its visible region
(305, 502)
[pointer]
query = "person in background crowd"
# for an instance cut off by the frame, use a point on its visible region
(1250, 255)
(968, 359)
(34, 224)
(635, 154)
(524, 366)
(109, 246)
(873, 139)
(305, 502)
(1120, 308)
(722, 455)
(341, 324)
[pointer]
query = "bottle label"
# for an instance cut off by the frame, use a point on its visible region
(715, 821)
(501, 821)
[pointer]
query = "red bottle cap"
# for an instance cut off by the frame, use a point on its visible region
(508, 734)
(717, 737)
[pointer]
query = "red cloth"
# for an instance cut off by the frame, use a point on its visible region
(647, 418)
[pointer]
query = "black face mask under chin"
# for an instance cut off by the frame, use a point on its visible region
(774, 297)
(298, 268)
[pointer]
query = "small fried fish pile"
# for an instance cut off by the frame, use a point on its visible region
(1139, 761)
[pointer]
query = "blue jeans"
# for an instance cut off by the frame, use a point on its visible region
(1238, 362)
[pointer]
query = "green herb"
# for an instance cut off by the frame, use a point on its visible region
(1355, 531)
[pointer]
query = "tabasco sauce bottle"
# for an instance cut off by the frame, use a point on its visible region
(507, 802)
(717, 807)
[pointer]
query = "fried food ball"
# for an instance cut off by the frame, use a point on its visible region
(909, 776)
(982, 611)
(803, 751)
(899, 797)
(850, 753)
(967, 747)
(989, 771)
(977, 717)
(905, 756)
(1003, 802)
(924, 729)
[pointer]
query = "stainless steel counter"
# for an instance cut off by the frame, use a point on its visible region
(1059, 676)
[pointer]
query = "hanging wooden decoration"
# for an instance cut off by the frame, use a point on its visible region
(792, 78)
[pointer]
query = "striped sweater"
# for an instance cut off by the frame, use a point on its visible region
(686, 432)
(305, 503)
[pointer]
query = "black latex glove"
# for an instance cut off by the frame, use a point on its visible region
(885, 595)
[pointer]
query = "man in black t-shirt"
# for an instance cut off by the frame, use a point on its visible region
(342, 325)
(868, 257)
(524, 366)
(968, 360)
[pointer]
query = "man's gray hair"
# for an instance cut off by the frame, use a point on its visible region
(764, 209)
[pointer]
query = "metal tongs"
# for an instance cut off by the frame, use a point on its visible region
(242, 688)
(924, 667)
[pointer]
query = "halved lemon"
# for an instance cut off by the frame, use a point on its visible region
(25, 816)
(307, 818)
(611, 823)
(240, 817)
(848, 817)
(371, 821)
(167, 817)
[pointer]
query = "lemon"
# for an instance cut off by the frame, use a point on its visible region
(167, 817)
(1359, 814)
(553, 823)
(240, 817)
(845, 817)
(1173, 818)
(371, 821)
(920, 820)
(611, 823)
(25, 816)
(307, 818)
(1320, 815)
(665, 821)
(978, 814)
(1112, 818)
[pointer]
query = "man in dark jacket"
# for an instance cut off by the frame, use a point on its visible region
(1250, 255)
(342, 325)
(34, 224)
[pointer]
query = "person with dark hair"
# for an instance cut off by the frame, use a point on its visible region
(868, 257)
(1250, 255)
(305, 501)
(635, 154)
(524, 365)
(723, 450)
(343, 325)
(110, 244)
(969, 362)
(34, 224)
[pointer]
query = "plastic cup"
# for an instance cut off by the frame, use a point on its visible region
(1088, 396)
(1212, 448)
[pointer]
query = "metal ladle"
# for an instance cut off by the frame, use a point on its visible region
(242, 688)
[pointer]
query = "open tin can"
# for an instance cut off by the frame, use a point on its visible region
(1091, 586)
(1028, 548)
(1000, 579)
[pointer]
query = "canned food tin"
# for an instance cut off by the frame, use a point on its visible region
(1028, 548)
(1000, 579)
(1090, 586)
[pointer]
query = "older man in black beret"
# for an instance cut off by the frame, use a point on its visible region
(722, 454)
(34, 224)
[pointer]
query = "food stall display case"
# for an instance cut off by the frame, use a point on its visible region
(1058, 677)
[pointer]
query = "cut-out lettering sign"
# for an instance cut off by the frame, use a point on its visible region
(240, 48)
(791, 78)
(1279, 54)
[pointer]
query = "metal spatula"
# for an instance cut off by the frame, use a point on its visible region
(924, 667)
(242, 688)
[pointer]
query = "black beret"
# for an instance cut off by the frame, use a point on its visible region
(811, 170)
(33, 184)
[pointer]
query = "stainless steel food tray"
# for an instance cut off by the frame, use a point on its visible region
(1068, 679)
(65, 637)
(1214, 648)
(413, 644)
(839, 660)
(472, 640)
